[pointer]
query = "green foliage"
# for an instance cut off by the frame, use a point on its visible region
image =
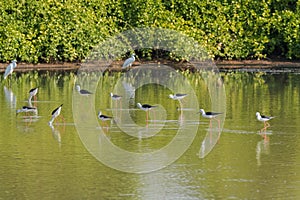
(66, 30)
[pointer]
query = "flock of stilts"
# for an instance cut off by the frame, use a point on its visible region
(145, 107)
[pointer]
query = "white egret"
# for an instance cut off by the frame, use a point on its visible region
(128, 62)
(10, 68)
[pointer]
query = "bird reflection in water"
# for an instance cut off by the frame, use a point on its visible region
(56, 134)
(10, 97)
(262, 147)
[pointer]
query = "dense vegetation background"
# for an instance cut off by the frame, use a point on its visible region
(66, 30)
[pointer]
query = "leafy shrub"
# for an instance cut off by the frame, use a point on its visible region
(56, 30)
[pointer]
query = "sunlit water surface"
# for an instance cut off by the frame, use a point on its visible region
(43, 162)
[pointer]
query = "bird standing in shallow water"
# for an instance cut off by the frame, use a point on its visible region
(177, 96)
(103, 118)
(210, 115)
(264, 119)
(10, 68)
(83, 92)
(145, 107)
(128, 62)
(27, 109)
(116, 98)
(32, 93)
(55, 113)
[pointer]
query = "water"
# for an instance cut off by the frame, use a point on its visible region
(40, 162)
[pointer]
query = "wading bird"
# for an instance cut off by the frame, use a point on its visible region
(83, 92)
(103, 118)
(10, 68)
(55, 113)
(27, 109)
(115, 96)
(264, 119)
(210, 115)
(177, 96)
(128, 62)
(32, 93)
(145, 107)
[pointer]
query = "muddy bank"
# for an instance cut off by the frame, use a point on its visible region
(116, 66)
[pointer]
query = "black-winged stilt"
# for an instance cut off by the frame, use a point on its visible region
(115, 96)
(103, 118)
(27, 109)
(83, 92)
(145, 107)
(264, 119)
(32, 93)
(177, 96)
(210, 115)
(55, 113)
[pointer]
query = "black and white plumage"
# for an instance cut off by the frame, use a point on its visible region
(209, 115)
(103, 117)
(10, 68)
(177, 96)
(145, 107)
(55, 113)
(83, 92)
(27, 109)
(128, 62)
(115, 96)
(32, 93)
(263, 118)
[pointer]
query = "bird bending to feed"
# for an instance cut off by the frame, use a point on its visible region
(10, 68)
(115, 96)
(83, 92)
(55, 113)
(32, 93)
(210, 115)
(264, 119)
(177, 96)
(128, 62)
(27, 109)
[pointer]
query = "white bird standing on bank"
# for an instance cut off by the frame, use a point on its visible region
(10, 68)
(128, 62)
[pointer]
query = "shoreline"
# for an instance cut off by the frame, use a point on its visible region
(116, 66)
